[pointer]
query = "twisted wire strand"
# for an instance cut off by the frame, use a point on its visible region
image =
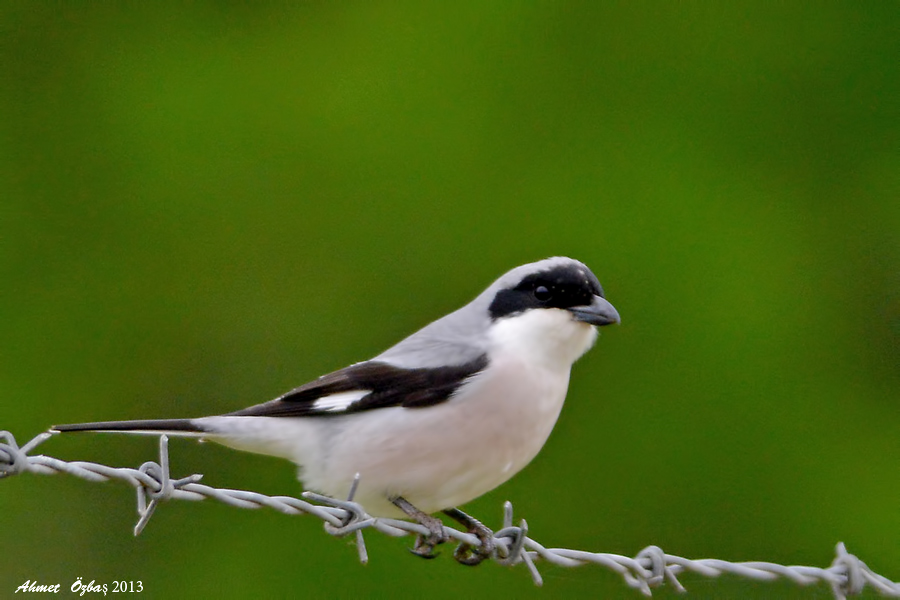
(650, 568)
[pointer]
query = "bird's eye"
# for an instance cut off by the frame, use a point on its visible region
(542, 293)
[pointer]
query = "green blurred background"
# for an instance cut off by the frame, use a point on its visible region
(203, 207)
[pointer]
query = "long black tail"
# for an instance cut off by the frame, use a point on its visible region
(173, 426)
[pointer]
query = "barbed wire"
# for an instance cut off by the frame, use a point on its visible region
(650, 568)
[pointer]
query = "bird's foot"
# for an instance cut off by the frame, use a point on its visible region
(471, 555)
(425, 544)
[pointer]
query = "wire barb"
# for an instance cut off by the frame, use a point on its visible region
(651, 568)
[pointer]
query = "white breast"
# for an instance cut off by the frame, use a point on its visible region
(445, 455)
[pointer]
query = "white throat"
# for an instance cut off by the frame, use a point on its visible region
(546, 337)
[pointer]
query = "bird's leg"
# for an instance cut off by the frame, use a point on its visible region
(469, 555)
(424, 544)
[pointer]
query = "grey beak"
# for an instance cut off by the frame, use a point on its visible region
(598, 312)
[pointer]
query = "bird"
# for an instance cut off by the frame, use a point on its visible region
(437, 420)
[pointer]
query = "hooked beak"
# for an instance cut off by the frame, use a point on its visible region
(599, 312)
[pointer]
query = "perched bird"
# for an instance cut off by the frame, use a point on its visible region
(442, 417)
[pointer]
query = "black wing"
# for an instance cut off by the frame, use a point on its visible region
(379, 384)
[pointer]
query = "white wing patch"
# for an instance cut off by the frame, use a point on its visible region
(338, 402)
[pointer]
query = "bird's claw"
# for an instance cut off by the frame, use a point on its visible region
(425, 543)
(472, 555)
(423, 549)
(466, 554)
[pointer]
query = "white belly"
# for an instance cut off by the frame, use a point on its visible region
(417, 453)
(446, 455)
(438, 456)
